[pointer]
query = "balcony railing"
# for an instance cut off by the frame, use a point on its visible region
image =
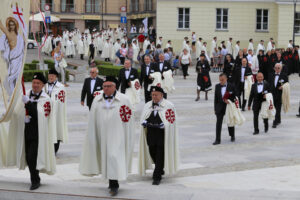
(68, 8)
(93, 8)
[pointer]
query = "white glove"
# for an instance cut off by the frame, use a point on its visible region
(25, 99)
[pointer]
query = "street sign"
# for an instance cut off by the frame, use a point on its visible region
(123, 20)
(48, 20)
(47, 14)
(47, 7)
(123, 14)
(123, 9)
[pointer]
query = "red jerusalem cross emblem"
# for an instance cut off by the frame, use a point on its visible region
(61, 96)
(47, 108)
(125, 113)
(97, 93)
(170, 116)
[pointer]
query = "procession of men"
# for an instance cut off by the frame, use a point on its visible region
(248, 79)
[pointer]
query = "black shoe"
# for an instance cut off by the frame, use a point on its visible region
(35, 186)
(266, 130)
(274, 125)
(298, 115)
(163, 172)
(156, 182)
(113, 191)
(256, 133)
(232, 139)
(243, 109)
(216, 143)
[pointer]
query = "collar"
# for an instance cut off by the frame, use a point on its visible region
(117, 96)
(162, 103)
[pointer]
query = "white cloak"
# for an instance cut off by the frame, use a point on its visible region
(136, 50)
(260, 47)
(70, 50)
(3, 145)
(266, 112)
(198, 48)
(229, 47)
(247, 87)
(46, 162)
(109, 142)
(236, 51)
(80, 47)
(59, 102)
(250, 46)
(105, 52)
(286, 97)
(145, 45)
(134, 93)
(157, 80)
(233, 114)
(167, 114)
(168, 82)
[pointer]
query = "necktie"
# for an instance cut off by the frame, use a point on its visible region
(50, 84)
(259, 83)
(223, 86)
(276, 74)
(154, 104)
(93, 79)
(127, 70)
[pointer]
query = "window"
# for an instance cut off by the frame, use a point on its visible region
(183, 18)
(262, 19)
(92, 6)
(67, 6)
(297, 23)
(135, 5)
(222, 19)
(148, 5)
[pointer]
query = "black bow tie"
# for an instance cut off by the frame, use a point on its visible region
(244, 67)
(155, 104)
(127, 70)
(259, 83)
(108, 97)
(277, 74)
(50, 83)
(223, 86)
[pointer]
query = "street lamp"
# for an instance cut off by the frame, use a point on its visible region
(295, 4)
(102, 7)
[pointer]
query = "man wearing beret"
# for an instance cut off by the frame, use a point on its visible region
(38, 139)
(159, 137)
(109, 142)
(57, 93)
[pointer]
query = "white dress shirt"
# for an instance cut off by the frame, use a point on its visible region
(161, 65)
(223, 90)
(276, 80)
(243, 74)
(147, 69)
(93, 82)
(260, 87)
(127, 73)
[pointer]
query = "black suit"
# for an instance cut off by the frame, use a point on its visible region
(258, 99)
(240, 85)
(220, 108)
(86, 90)
(145, 80)
(277, 93)
(124, 81)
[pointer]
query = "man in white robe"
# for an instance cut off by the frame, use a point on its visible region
(109, 142)
(105, 54)
(236, 49)
(146, 43)
(213, 46)
(159, 137)
(57, 93)
(260, 46)
(198, 47)
(80, 48)
(270, 45)
(229, 46)
(290, 44)
(250, 45)
(34, 146)
(100, 43)
(169, 44)
(70, 50)
(160, 41)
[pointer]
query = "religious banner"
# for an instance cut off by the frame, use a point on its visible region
(14, 15)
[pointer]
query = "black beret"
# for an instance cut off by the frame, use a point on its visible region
(112, 79)
(156, 89)
(39, 76)
(53, 71)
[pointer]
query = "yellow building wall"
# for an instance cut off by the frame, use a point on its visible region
(241, 23)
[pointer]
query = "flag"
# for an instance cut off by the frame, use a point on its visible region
(145, 22)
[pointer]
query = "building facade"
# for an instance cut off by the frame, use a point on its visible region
(239, 19)
(97, 14)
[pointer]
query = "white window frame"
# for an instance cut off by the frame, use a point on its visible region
(297, 33)
(222, 19)
(183, 20)
(262, 20)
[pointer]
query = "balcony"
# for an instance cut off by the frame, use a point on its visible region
(139, 8)
(67, 8)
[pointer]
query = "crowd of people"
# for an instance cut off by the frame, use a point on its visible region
(248, 77)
